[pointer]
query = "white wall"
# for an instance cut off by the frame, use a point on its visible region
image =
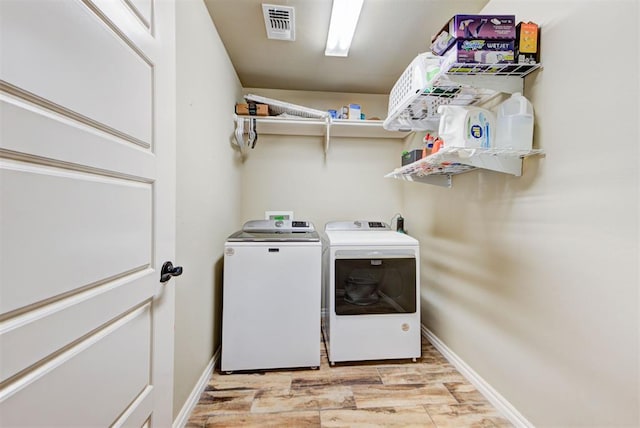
(534, 280)
(292, 173)
(208, 183)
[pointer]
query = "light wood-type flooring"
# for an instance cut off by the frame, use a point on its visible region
(391, 393)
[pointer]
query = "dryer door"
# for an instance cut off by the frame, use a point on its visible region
(375, 282)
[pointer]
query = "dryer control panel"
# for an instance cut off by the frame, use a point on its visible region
(356, 225)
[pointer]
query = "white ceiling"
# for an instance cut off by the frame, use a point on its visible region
(390, 34)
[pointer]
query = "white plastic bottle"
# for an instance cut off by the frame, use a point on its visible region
(515, 124)
(479, 128)
(451, 128)
(466, 126)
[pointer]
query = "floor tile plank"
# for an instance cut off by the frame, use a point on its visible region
(401, 395)
(466, 415)
(327, 397)
(415, 416)
(250, 381)
(250, 420)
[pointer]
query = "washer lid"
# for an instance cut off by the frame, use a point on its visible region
(360, 225)
(242, 236)
(276, 231)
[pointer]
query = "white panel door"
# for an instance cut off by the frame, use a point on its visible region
(87, 201)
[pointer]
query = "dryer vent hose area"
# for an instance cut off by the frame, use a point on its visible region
(399, 222)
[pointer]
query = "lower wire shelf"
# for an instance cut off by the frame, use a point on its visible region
(438, 168)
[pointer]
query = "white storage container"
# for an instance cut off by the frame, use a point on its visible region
(354, 112)
(467, 127)
(515, 124)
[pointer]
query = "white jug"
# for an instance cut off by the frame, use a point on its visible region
(466, 127)
(515, 124)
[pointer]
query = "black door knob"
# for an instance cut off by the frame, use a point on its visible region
(168, 270)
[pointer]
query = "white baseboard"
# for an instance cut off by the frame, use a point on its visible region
(499, 402)
(183, 417)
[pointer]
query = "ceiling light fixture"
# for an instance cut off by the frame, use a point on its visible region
(344, 18)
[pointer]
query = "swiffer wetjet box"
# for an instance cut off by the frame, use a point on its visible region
(473, 27)
(480, 51)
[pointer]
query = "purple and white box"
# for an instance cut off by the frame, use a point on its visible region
(480, 51)
(483, 26)
(473, 27)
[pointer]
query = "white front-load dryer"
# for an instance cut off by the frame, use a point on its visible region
(371, 308)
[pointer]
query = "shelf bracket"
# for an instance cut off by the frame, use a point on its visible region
(327, 135)
(442, 180)
(487, 160)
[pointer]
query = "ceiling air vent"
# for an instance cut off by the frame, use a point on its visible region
(279, 21)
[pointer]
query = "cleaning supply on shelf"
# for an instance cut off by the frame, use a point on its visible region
(412, 156)
(354, 111)
(437, 145)
(515, 124)
(428, 145)
(466, 127)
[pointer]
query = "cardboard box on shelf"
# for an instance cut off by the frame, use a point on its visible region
(480, 51)
(527, 49)
(441, 42)
(483, 26)
(473, 27)
(252, 109)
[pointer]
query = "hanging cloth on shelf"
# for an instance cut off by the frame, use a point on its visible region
(240, 133)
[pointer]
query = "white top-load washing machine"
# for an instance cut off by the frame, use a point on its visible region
(271, 296)
(371, 305)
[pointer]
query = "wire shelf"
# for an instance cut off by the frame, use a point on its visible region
(456, 160)
(517, 70)
(414, 101)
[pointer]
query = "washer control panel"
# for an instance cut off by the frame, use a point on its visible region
(277, 226)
